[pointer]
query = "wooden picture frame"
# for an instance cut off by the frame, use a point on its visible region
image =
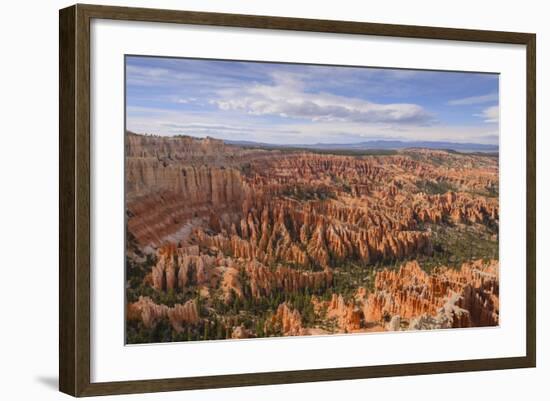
(74, 199)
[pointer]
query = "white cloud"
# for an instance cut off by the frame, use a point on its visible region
(233, 126)
(491, 97)
(287, 98)
(188, 100)
(490, 114)
(173, 79)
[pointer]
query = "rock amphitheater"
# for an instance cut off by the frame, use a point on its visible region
(232, 242)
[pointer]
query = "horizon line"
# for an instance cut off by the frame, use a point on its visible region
(236, 141)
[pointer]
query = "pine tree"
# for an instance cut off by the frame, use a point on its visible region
(220, 331)
(259, 328)
(205, 330)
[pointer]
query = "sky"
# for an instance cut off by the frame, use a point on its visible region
(280, 103)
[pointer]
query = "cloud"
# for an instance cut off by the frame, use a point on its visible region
(490, 114)
(490, 97)
(177, 78)
(196, 127)
(290, 104)
(234, 127)
(287, 97)
(188, 100)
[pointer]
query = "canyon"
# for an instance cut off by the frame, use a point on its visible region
(231, 242)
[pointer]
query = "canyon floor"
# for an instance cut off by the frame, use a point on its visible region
(227, 241)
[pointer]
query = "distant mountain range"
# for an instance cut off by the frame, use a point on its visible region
(378, 145)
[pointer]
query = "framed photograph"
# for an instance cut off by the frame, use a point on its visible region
(250, 200)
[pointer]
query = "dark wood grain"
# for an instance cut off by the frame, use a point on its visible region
(300, 376)
(301, 24)
(67, 131)
(74, 199)
(82, 193)
(531, 229)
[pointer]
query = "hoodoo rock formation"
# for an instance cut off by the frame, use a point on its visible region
(180, 269)
(150, 313)
(410, 297)
(348, 315)
(459, 296)
(286, 320)
(230, 241)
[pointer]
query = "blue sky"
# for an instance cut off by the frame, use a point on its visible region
(306, 104)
